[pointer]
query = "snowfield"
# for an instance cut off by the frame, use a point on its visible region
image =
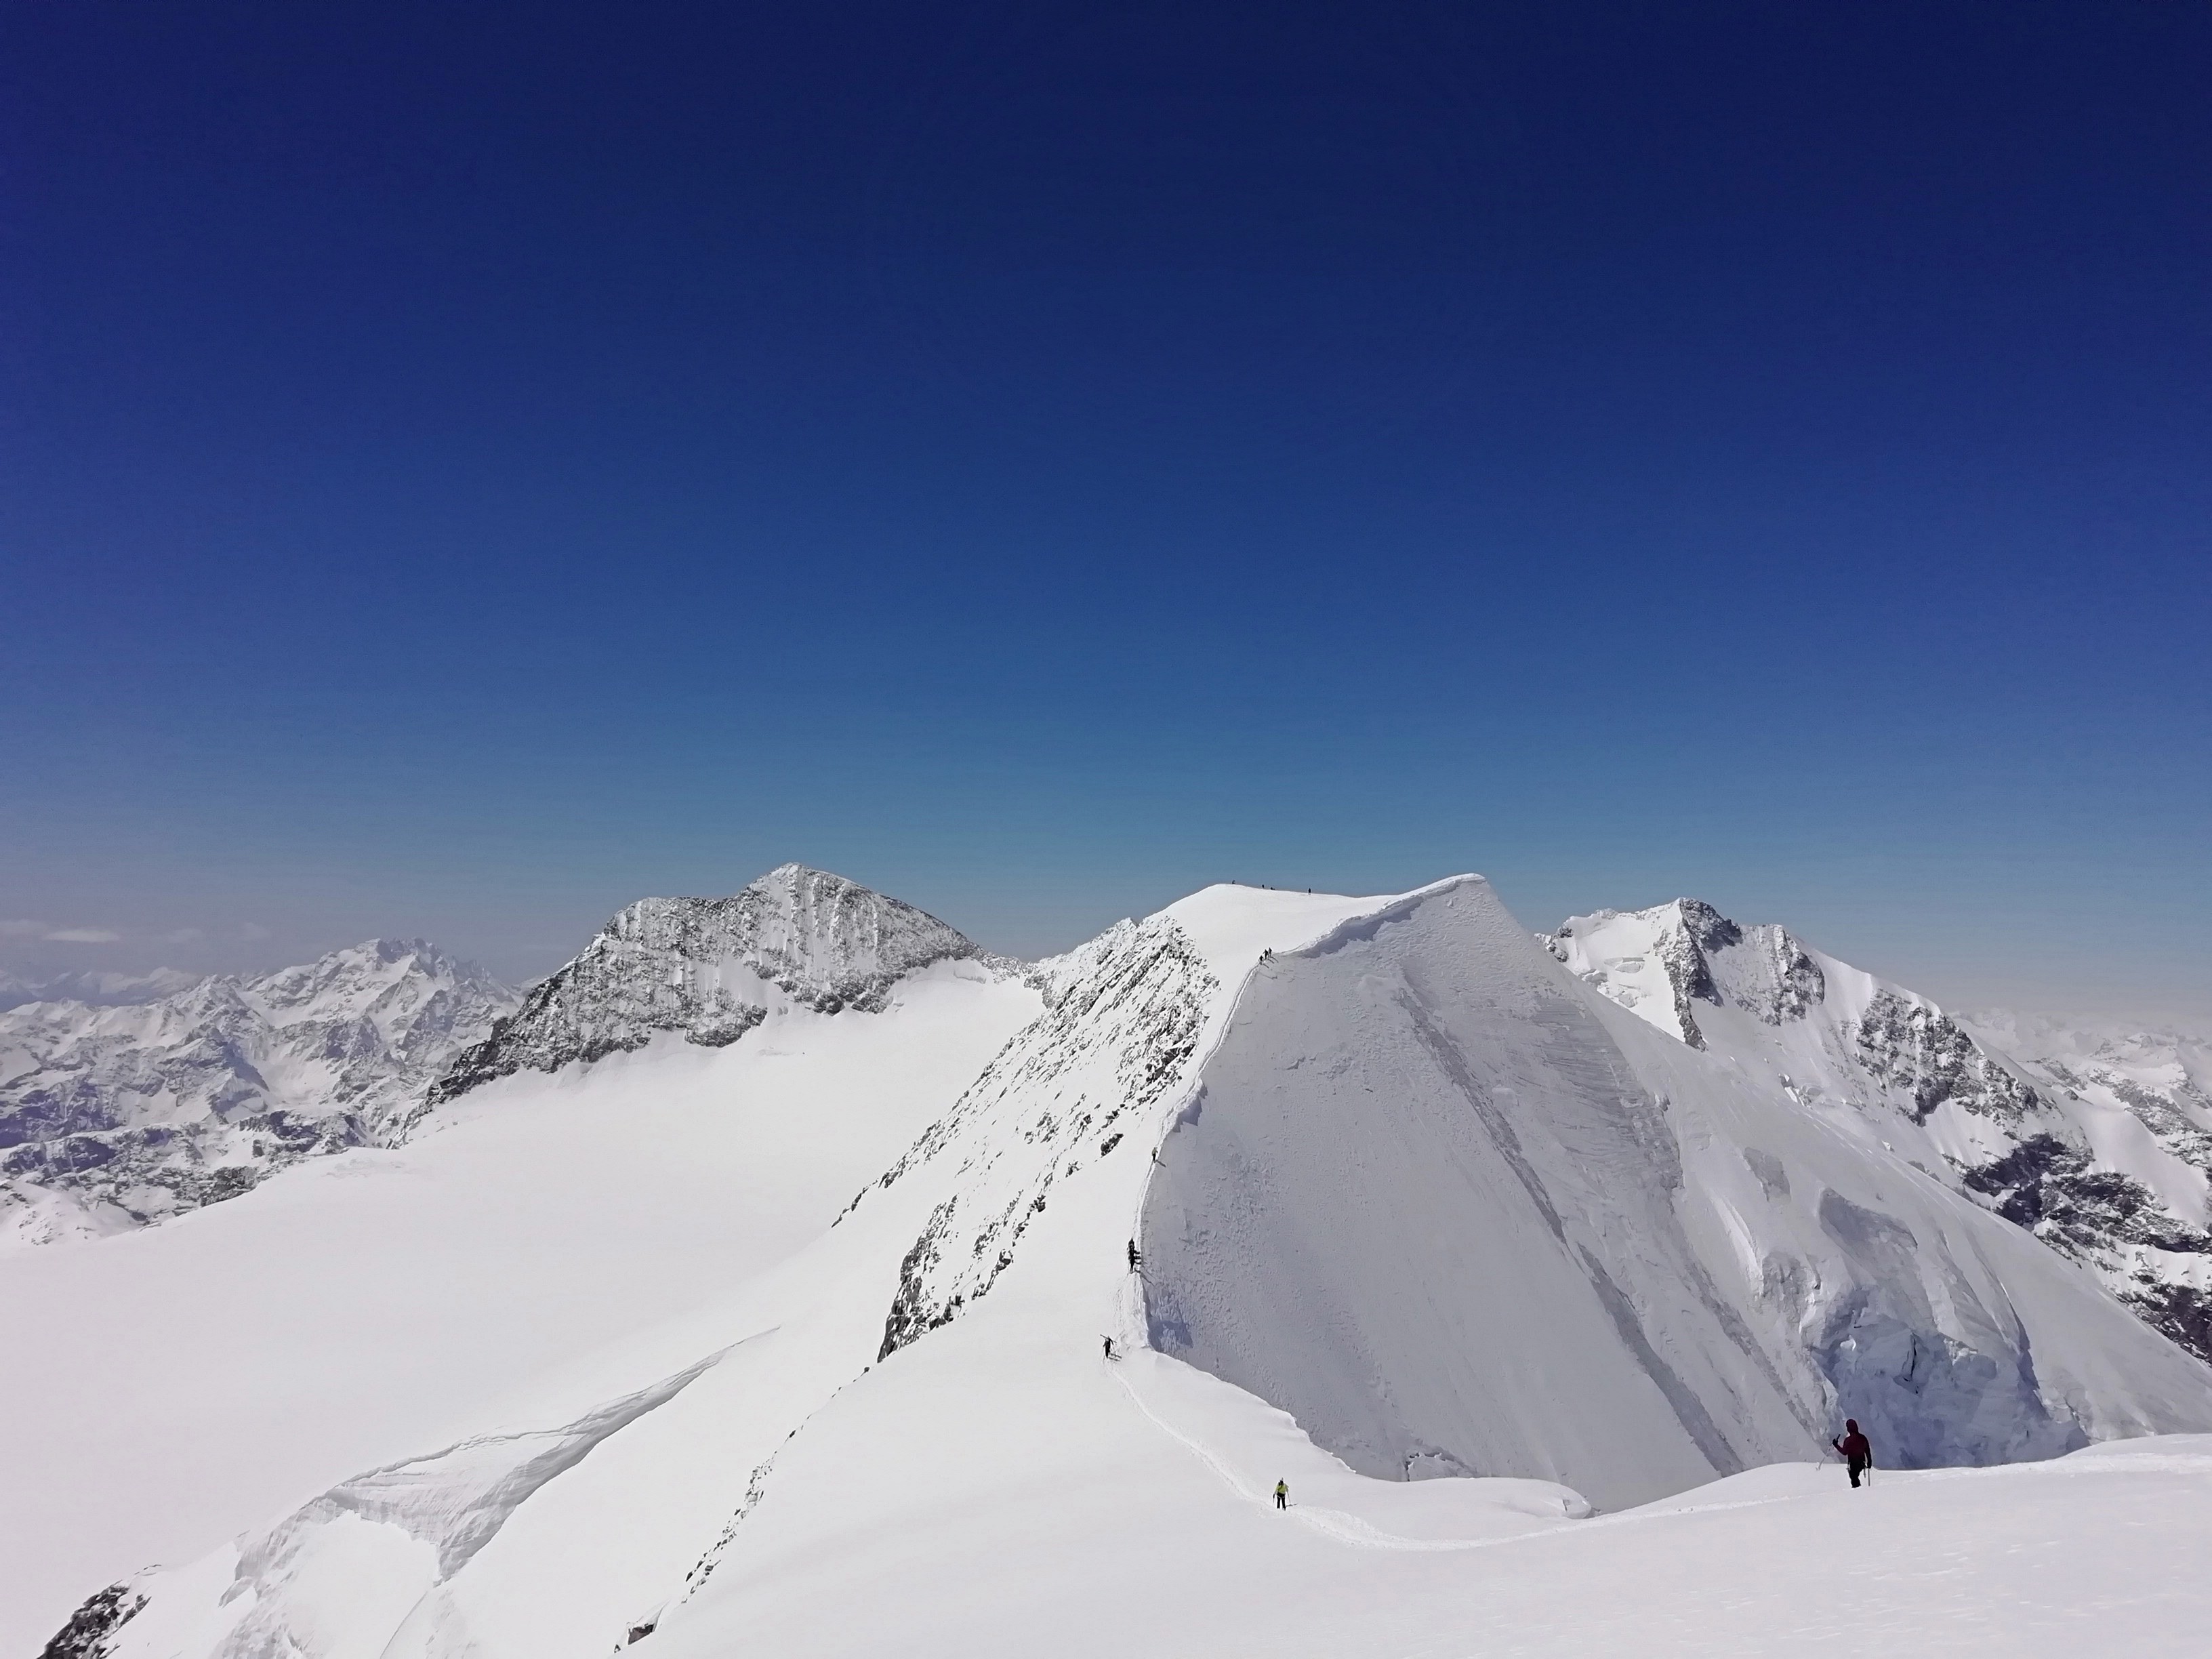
(703, 1332)
(171, 1387)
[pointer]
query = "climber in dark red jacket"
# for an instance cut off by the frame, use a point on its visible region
(1858, 1456)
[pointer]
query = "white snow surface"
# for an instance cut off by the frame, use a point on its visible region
(602, 1362)
(2024, 1115)
(542, 1245)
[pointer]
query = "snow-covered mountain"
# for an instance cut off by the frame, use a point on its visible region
(712, 969)
(2098, 1142)
(1431, 1226)
(113, 1116)
(98, 987)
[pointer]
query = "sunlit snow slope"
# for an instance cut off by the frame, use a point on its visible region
(1414, 1199)
(1567, 1247)
(2099, 1143)
(557, 1235)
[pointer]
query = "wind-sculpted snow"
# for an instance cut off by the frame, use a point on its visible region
(112, 1117)
(1065, 1091)
(712, 968)
(1577, 1303)
(394, 1536)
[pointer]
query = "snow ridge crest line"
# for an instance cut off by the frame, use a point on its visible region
(1064, 1091)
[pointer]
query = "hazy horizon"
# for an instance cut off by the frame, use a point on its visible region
(1954, 973)
(462, 472)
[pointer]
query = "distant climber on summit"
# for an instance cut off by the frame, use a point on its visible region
(1282, 1494)
(1136, 1260)
(1857, 1454)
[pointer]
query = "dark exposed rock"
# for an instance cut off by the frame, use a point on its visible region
(1115, 1038)
(2047, 1185)
(87, 1635)
(1909, 1046)
(707, 969)
(2181, 1313)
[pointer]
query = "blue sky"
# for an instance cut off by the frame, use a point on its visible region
(460, 473)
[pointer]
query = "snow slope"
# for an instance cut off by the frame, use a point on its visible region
(1123, 1541)
(2100, 1143)
(1414, 1199)
(166, 1389)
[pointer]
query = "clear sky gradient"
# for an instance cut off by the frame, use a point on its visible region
(463, 468)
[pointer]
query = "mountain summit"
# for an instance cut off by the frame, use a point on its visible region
(2101, 1146)
(712, 968)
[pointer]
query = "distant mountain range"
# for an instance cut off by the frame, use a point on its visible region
(114, 1115)
(95, 989)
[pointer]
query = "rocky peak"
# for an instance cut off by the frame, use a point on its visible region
(1661, 962)
(713, 967)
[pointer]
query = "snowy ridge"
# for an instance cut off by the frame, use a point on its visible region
(111, 1117)
(1432, 1228)
(711, 970)
(2099, 1146)
(1728, 1276)
(1069, 1088)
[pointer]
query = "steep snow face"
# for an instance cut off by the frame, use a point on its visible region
(1127, 1016)
(112, 1117)
(1628, 1275)
(2096, 1144)
(711, 970)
